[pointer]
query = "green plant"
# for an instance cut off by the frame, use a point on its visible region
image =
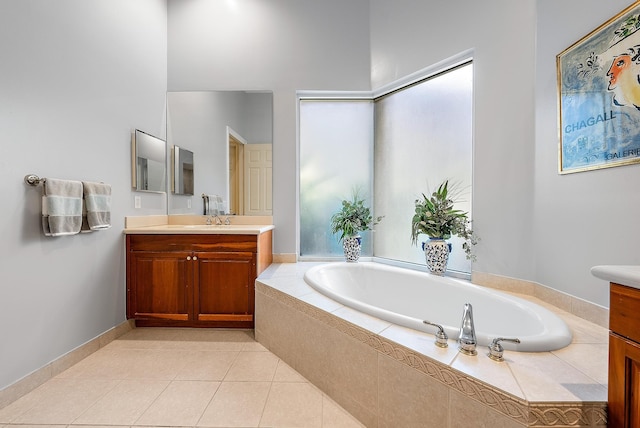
(436, 217)
(353, 217)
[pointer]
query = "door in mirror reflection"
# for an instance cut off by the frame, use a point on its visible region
(258, 177)
(250, 176)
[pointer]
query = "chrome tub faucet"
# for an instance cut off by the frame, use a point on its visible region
(467, 338)
(441, 335)
(496, 350)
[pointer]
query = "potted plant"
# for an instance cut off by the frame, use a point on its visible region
(354, 217)
(436, 217)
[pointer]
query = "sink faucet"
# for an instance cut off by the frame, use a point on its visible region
(467, 337)
(214, 219)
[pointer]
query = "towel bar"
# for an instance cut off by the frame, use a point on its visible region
(33, 179)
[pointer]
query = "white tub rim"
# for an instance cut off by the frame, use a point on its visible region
(555, 335)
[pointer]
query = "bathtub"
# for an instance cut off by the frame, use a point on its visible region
(406, 297)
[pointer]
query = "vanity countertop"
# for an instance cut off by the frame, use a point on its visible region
(200, 229)
(196, 225)
(619, 274)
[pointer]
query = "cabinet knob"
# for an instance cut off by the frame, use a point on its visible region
(188, 257)
(195, 258)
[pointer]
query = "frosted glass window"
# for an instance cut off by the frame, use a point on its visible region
(423, 135)
(336, 157)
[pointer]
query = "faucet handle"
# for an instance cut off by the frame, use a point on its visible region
(441, 336)
(496, 350)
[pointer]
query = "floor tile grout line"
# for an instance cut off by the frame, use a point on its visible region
(264, 407)
(97, 400)
(222, 380)
(32, 407)
(154, 400)
(204, 410)
(235, 359)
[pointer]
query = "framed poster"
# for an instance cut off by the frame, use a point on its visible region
(599, 96)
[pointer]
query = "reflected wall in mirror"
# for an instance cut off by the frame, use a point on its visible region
(232, 132)
(148, 163)
(182, 171)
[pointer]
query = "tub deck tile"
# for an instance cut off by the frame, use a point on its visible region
(497, 374)
(541, 389)
(420, 342)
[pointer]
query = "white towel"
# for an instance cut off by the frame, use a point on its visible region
(97, 198)
(61, 207)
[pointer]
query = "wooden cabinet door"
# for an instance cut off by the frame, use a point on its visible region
(624, 382)
(224, 286)
(160, 285)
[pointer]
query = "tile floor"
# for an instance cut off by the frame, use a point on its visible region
(178, 378)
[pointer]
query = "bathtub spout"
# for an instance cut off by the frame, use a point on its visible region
(467, 337)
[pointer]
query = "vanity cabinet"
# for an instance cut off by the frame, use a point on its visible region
(624, 357)
(199, 280)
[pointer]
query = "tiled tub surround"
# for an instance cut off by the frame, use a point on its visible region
(391, 376)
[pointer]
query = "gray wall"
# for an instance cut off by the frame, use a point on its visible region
(582, 219)
(76, 77)
(535, 224)
(279, 45)
(407, 35)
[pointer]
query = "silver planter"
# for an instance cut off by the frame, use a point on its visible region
(436, 252)
(351, 246)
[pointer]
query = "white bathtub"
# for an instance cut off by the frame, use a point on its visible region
(407, 297)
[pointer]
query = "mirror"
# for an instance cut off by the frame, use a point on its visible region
(148, 163)
(182, 171)
(232, 133)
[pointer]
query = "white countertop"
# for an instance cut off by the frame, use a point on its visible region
(196, 225)
(200, 229)
(623, 275)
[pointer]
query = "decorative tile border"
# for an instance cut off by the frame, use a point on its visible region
(521, 411)
(568, 415)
